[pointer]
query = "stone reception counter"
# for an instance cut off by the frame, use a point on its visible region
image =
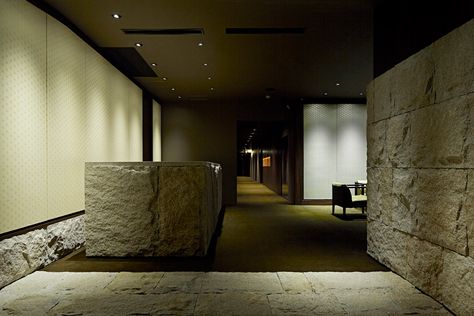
(151, 208)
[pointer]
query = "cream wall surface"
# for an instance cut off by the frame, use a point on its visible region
(61, 104)
(156, 131)
(335, 147)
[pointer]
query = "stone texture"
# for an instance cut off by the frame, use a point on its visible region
(469, 143)
(370, 102)
(294, 282)
(379, 188)
(262, 282)
(50, 293)
(305, 304)
(23, 254)
(398, 140)
(232, 304)
(413, 82)
(438, 134)
(383, 99)
(469, 210)
(151, 208)
(456, 283)
(376, 149)
(454, 60)
(402, 212)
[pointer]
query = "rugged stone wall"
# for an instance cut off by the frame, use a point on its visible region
(421, 169)
(23, 254)
(151, 208)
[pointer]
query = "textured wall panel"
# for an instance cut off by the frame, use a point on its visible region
(351, 142)
(135, 123)
(23, 194)
(319, 150)
(66, 90)
(156, 131)
(335, 147)
(119, 129)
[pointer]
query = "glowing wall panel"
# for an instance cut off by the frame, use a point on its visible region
(156, 131)
(135, 123)
(66, 90)
(23, 149)
(335, 147)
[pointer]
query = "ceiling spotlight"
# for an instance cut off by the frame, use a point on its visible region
(209, 78)
(172, 89)
(205, 64)
(325, 93)
(254, 129)
(153, 64)
(361, 93)
(116, 16)
(138, 44)
(179, 97)
(164, 78)
(267, 96)
(200, 44)
(338, 84)
(301, 99)
(212, 89)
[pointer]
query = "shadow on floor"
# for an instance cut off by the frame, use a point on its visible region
(261, 233)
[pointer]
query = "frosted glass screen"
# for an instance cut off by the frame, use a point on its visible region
(334, 147)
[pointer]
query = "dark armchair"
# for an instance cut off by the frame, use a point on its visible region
(342, 196)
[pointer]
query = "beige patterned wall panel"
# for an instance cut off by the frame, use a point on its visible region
(23, 194)
(135, 122)
(120, 137)
(99, 111)
(66, 90)
(156, 131)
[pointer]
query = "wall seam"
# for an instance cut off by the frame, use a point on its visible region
(47, 117)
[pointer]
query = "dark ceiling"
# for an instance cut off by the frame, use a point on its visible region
(274, 48)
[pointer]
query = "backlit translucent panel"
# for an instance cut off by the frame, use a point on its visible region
(334, 147)
(351, 142)
(319, 150)
(135, 122)
(67, 116)
(23, 194)
(156, 131)
(119, 128)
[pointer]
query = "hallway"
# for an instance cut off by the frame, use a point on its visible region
(262, 233)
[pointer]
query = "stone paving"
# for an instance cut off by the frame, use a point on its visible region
(215, 293)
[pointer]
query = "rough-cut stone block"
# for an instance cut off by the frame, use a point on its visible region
(376, 151)
(469, 143)
(439, 216)
(294, 282)
(232, 303)
(456, 283)
(412, 82)
(151, 208)
(383, 99)
(241, 281)
(469, 210)
(398, 140)
(370, 102)
(379, 194)
(454, 60)
(23, 254)
(403, 199)
(438, 134)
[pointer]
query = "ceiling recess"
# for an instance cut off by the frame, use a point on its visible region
(265, 30)
(178, 31)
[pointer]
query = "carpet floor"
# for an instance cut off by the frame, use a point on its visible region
(262, 233)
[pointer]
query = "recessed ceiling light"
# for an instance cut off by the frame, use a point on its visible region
(179, 97)
(172, 89)
(209, 78)
(200, 44)
(116, 16)
(325, 93)
(153, 64)
(164, 78)
(301, 99)
(205, 64)
(138, 44)
(267, 96)
(212, 89)
(338, 84)
(361, 93)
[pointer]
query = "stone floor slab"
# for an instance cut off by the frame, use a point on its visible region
(180, 282)
(305, 304)
(135, 282)
(294, 282)
(260, 282)
(232, 303)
